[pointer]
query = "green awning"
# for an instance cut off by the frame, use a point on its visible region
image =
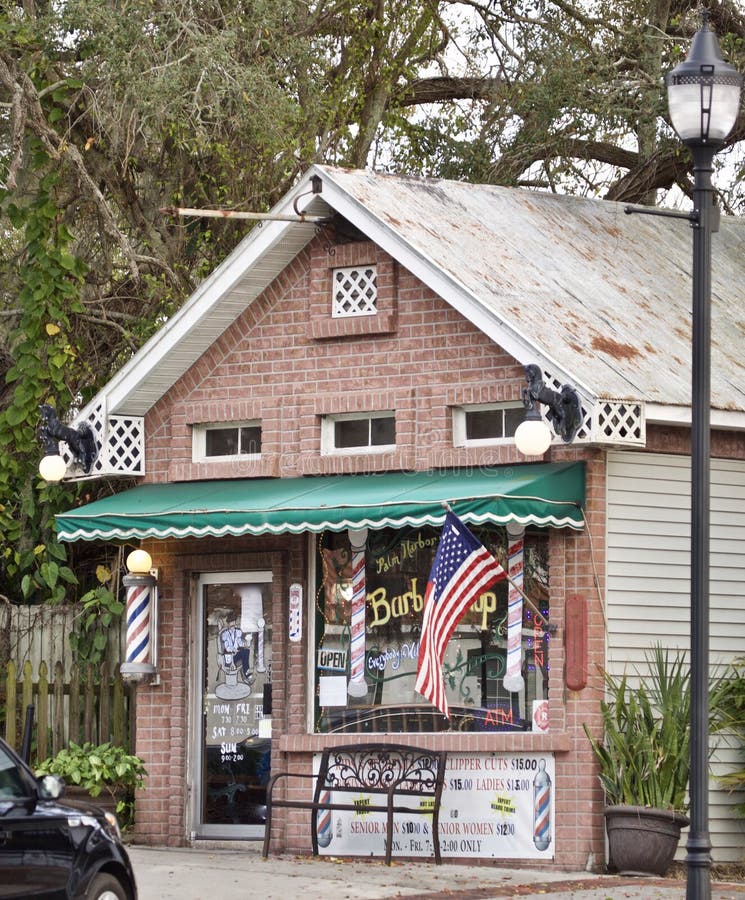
(541, 494)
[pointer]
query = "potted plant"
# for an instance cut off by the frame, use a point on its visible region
(644, 757)
(104, 772)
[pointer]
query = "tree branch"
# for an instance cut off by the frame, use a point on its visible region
(442, 89)
(31, 115)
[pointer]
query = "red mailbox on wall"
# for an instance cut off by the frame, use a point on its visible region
(575, 638)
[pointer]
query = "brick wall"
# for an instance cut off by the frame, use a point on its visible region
(270, 364)
(286, 362)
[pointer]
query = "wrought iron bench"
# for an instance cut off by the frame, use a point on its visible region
(397, 774)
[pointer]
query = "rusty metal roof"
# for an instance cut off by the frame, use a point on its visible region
(599, 298)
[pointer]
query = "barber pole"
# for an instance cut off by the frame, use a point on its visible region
(542, 808)
(324, 821)
(357, 684)
(140, 591)
(513, 679)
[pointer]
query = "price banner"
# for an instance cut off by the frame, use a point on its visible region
(494, 806)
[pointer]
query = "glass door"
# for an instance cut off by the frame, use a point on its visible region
(235, 684)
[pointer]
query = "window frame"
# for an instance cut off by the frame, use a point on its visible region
(325, 630)
(459, 423)
(328, 433)
(199, 440)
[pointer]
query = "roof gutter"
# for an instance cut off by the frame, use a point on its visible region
(721, 419)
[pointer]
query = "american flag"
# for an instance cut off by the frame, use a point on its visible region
(462, 570)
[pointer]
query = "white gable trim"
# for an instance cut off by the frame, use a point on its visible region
(198, 321)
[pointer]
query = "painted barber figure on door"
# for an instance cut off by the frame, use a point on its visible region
(240, 645)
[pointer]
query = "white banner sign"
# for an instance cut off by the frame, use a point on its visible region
(494, 806)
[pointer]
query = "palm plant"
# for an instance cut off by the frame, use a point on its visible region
(728, 703)
(644, 754)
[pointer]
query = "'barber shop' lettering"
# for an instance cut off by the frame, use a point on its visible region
(385, 609)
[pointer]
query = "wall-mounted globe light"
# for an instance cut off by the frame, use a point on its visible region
(81, 443)
(564, 412)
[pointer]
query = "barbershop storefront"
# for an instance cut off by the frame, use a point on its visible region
(310, 637)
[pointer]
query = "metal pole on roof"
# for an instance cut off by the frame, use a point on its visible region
(240, 214)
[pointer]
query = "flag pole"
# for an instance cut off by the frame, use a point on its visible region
(533, 608)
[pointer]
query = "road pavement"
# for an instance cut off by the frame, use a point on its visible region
(239, 873)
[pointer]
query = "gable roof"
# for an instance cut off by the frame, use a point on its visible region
(596, 297)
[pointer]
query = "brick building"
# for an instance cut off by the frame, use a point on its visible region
(358, 360)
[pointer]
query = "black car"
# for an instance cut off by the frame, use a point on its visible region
(55, 850)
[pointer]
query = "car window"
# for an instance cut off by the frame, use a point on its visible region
(12, 783)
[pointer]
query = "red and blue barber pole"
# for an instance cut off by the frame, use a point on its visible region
(324, 821)
(141, 592)
(513, 678)
(542, 807)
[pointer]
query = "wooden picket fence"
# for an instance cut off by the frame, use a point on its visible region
(39, 669)
(78, 705)
(42, 632)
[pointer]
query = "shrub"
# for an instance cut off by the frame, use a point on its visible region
(97, 768)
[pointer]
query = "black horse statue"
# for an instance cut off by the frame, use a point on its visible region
(80, 440)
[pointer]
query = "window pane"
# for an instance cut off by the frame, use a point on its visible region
(484, 424)
(251, 439)
(383, 666)
(12, 784)
(221, 441)
(352, 433)
(512, 418)
(383, 431)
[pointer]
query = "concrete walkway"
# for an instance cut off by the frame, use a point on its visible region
(241, 874)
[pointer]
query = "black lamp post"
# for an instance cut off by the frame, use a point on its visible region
(704, 101)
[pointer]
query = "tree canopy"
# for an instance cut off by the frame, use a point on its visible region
(112, 110)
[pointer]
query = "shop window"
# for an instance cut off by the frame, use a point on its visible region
(221, 441)
(357, 433)
(397, 566)
(486, 423)
(355, 292)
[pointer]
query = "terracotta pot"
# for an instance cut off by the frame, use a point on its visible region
(642, 840)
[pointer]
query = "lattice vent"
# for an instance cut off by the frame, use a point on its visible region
(355, 292)
(619, 422)
(125, 447)
(121, 446)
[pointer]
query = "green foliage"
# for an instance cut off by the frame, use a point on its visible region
(115, 110)
(100, 610)
(728, 703)
(49, 278)
(644, 754)
(98, 768)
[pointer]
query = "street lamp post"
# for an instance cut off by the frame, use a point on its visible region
(704, 100)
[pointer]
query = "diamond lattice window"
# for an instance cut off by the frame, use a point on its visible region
(355, 292)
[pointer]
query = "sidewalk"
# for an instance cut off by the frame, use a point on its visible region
(241, 874)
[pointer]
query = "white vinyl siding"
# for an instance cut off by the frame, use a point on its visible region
(648, 584)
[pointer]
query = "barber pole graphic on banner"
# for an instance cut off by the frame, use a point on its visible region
(324, 821)
(495, 805)
(139, 655)
(542, 808)
(357, 684)
(513, 678)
